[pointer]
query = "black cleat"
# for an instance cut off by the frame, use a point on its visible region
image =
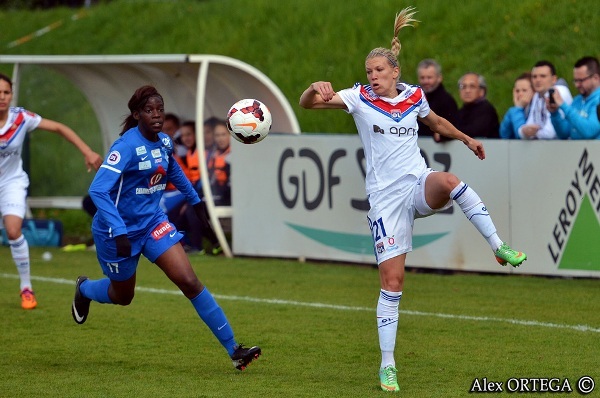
(81, 305)
(242, 356)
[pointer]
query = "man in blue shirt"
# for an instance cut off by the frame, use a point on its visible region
(580, 119)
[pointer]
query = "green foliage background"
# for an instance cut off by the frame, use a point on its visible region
(293, 42)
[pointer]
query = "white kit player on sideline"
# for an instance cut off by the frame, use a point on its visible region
(15, 123)
(399, 185)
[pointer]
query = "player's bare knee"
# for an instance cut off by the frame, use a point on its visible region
(190, 286)
(123, 299)
(452, 182)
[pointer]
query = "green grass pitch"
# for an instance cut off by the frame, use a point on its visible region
(315, 323)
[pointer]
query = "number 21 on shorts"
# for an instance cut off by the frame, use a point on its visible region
(377, 229)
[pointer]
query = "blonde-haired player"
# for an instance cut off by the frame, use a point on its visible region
(399, 185)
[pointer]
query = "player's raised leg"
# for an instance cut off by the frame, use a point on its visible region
(440, 185)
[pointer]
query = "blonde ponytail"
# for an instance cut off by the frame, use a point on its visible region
(403, 18)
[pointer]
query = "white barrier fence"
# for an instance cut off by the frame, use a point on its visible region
(303, 197)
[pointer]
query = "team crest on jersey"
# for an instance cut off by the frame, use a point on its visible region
(396, 114)
(113, 158)
(166, 142)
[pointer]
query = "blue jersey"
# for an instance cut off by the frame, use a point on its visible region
(131, 181)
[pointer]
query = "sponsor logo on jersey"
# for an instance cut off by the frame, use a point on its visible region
(166, 142)
(156, 153)
(113, 158)
(151, 190)
(161, 230)
(399, 131)
(144, 165)
(6, 154)
(158, 176)
(141, 150)
(156, 183)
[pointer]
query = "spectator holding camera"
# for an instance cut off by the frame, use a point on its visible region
(579, 120)
(538, 124)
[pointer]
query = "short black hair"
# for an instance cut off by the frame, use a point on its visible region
(591, 62)
(546, 63)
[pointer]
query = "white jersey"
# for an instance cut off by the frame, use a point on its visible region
(388, 130)
(12, 136)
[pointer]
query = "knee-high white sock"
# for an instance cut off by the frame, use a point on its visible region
(20, 254)
(475, 210)
(387, 325)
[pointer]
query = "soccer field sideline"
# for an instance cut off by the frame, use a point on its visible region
(521, 322)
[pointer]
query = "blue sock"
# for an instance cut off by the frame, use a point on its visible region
(215, 319)
(96, 290)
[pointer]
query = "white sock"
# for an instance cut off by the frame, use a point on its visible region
(20, 254)
(475, 210)
(387, 325)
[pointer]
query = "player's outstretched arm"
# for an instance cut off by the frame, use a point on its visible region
(92, 159)
(320, 95)
(442, 126)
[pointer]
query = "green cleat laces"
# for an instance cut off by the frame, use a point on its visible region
(388, 379)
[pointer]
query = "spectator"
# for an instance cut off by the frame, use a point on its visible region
(171, 127)
(184, 217)
(173, 199)
(579, 120)
(517, 115)
(441, 101)
(477, 117)
(219, 169)
(209, 136)
(538, 124)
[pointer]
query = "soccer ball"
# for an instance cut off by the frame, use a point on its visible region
(249, 121)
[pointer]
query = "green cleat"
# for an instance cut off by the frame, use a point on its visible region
(505, 254)
(388, 379)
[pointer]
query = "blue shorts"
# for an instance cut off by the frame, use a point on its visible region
(151, 244)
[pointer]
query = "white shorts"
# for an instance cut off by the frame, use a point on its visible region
(393, 212)
(13, 199)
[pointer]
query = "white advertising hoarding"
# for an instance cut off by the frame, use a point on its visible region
(304, 197)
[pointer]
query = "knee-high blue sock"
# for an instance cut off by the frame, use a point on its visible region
(214, 317)
(96, 290)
